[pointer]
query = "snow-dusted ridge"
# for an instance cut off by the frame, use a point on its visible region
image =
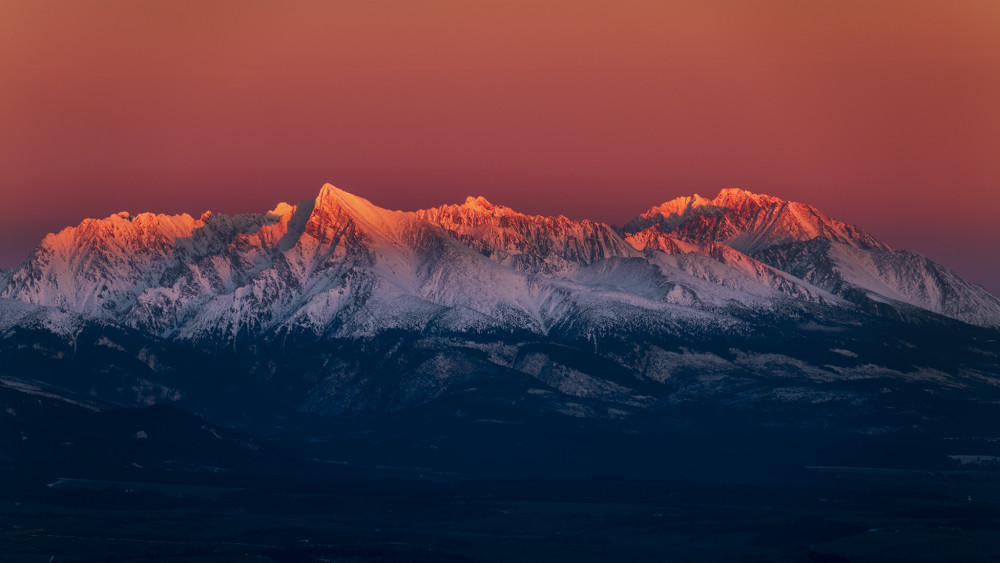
(800, 241)
(339, 266)
(748, 222)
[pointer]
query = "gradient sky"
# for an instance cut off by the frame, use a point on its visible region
(881, 113)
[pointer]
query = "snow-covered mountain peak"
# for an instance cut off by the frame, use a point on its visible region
(678, 209)
(677, 206)
(330, 194)
(334, 199)
(738, 199)
(338, 259)
(533, 243)
(748, 222)
(101, 264)
(122, 233)
(335, 212)
(479, 203)
(478, 209)
(736, 195)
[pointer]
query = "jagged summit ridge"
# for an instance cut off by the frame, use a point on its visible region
(799, 240)
(748, 222)
(533, 243)
(341, 265)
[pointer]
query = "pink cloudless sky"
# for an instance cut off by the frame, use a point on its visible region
(881, 113)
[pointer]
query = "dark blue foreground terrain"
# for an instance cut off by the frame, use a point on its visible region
(446, 484)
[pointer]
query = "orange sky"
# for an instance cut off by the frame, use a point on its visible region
(881, 113)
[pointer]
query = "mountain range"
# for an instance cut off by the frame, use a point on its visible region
(335, 305)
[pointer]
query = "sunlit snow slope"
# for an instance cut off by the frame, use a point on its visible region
(339, 266)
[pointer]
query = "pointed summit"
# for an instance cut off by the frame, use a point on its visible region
(332, 195)
(333, 208)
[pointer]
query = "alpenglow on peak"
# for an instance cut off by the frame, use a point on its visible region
(340, 263)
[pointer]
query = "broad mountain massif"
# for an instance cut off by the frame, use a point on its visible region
(334, 305)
